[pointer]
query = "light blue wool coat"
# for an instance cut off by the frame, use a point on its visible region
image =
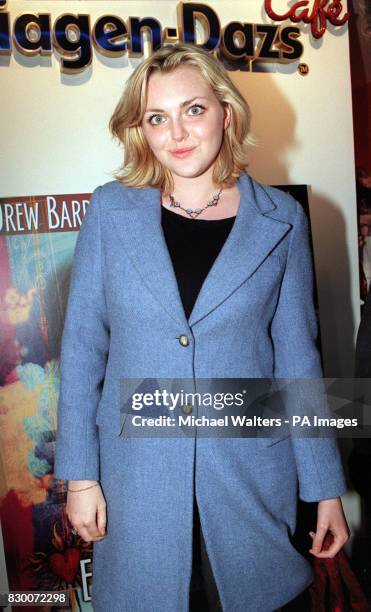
(254, 317)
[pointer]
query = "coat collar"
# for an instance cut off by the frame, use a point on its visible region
(137, 223)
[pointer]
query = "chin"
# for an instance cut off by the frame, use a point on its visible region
(190, 172)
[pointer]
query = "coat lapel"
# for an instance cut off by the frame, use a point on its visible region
(253, 236)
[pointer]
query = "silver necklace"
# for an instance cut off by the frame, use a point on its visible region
(193, 213)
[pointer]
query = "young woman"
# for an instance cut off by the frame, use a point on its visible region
(187, 268)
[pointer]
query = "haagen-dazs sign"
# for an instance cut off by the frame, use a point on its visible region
(73, 36)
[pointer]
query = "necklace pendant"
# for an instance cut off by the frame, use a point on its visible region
(194, 213)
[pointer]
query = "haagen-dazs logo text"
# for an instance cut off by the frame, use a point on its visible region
(315, 12)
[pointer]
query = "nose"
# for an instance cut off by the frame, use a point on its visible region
(178, 130)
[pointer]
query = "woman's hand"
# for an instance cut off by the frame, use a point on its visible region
(330, 517)
(86, 510)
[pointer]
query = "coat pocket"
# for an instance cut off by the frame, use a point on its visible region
(109, 419)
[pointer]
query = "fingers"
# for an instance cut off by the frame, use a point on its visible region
(318, 538)
(338, 542)
(101, 518)
(88, 517)
(330, 518)
(86, 528)
(89, 532)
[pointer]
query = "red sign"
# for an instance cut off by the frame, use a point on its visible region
(316, 12)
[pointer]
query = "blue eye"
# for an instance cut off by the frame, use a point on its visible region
(197, 106)
(153, 117)
(194, 106)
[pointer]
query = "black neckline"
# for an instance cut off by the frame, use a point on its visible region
(189, 220)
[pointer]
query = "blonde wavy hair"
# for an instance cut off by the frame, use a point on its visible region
(140, 167)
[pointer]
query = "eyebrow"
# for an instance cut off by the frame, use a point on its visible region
(185, 103)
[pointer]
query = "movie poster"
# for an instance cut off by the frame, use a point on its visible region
(37, 241)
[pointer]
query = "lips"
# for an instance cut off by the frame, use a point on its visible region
(182, 152)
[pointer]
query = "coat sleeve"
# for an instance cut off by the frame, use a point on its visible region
(294, 332)
(84, 349)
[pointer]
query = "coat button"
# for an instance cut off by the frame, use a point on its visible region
(183, 339)
(187, 408)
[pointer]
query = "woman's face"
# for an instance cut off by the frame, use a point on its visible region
(182, 112)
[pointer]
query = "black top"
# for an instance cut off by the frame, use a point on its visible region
(193, 246)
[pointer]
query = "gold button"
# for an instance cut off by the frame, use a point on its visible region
(183, 339)
(187, 408)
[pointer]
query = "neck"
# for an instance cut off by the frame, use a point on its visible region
(194, 191)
